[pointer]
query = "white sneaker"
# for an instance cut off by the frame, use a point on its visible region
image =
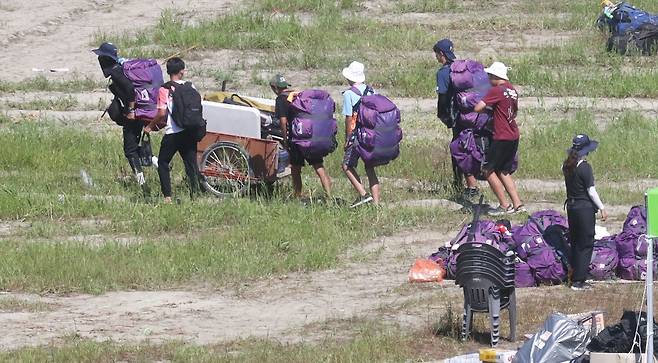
(140, 179)
(154, 160)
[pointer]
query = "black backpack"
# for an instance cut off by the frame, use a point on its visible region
(187, 111)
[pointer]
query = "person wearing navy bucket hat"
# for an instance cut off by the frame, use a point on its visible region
(124, 92)
(582, 204)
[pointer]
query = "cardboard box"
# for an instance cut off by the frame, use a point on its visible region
(617, 358)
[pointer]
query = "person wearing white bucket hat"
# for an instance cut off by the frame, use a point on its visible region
(355, 76)
(500, 161)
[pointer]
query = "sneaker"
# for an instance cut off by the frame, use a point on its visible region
(581, 286)
(362, 200)
(520, 209)
(471, 195)
(500, 211)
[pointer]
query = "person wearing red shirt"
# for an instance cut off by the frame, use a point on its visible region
(503, 100)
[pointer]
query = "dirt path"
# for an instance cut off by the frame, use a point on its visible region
(62, 34)
(278, 308)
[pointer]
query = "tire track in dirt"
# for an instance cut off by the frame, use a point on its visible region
(277, 308)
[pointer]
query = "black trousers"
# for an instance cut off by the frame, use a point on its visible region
(184, 144)
(582, 222)
(132, 131)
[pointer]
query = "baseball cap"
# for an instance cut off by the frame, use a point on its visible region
(446, 47)
(279, 81)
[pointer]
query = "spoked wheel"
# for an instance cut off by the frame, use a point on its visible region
(226, 170)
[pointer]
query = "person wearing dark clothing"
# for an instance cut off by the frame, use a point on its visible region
(447, 112)
(176, 138)
(582, 204)
(123, 89)
(285, 114)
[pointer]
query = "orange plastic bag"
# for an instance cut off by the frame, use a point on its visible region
(425, 270)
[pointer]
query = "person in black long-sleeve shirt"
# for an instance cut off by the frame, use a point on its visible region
(582, 204)
(123, 89)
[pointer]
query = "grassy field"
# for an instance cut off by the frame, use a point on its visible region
(60, 235)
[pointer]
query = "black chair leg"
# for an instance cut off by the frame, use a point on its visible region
(467, 322)
(512, 315)
(494, 317)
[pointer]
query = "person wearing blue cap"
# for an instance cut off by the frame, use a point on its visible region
(582, 204)
(447, 112)
(123, 90)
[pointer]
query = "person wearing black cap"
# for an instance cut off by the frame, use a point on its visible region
(447, 111)
(582, 204)
(285, 114)
(124, 90)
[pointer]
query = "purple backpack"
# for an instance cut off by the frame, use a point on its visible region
(146, 76)
(523, 276)
(636, 222)
(635, 269)
(538, 223)
(605, 259)
(546, 266)
(630, 245)
(379, 132)
(472, 120)
(468, 74)
(467, 154)
(314, 127)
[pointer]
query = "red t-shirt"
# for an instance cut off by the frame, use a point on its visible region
(505, 103)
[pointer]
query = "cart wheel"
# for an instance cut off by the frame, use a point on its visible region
(226, 170)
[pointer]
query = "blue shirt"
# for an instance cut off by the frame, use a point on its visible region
(350, 99)
(443, 79)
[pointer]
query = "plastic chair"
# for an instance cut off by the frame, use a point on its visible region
(488, 285)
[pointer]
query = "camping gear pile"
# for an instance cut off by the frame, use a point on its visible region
(629, 28)
(542, 248)
(471, 84)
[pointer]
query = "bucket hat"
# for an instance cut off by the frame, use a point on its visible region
(355, 72)
(498, 69)
(583, 145)
(107, 50)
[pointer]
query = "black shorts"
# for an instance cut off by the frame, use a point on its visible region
(501, 155)
(297, 159)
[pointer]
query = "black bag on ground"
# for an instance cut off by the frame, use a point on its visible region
(144, 150)
(619, 338)
(646, 39)
(187, 111)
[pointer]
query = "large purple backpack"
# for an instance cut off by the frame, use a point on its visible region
(146, 76)
(605, 259)
(472, 120)
(314, 126)
(468, 152)
(546, 265)
(630, 245)
(524, 276)
(636, 222)
(635, 269)
(468, 74)
(538, 223)
(379, 132)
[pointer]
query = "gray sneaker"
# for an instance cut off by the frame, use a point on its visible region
(362, 200)
(581, 286)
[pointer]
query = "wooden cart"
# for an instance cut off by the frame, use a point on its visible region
(233, 156)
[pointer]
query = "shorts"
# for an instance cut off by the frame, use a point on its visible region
(500, 157)
(351, 158)
(298, 159)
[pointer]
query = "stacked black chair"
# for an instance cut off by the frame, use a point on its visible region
(486, 276)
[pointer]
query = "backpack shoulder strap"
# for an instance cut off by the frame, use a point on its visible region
(367, 91)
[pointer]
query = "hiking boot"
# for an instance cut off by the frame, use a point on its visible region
(500, 211)
(581, 286)
(471, 195)
(362, 200)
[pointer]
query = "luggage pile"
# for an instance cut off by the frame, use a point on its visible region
(542, 248)
(471, 84)
(629, 27)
